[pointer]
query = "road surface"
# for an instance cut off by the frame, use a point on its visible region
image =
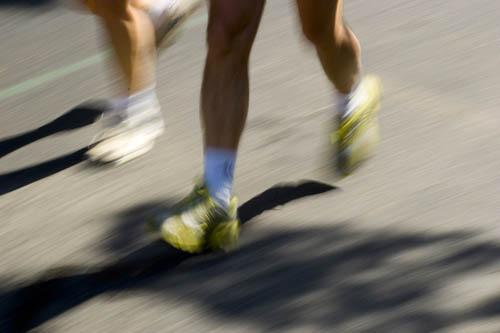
(408, 244)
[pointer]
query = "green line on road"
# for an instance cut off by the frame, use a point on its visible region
(58, 73)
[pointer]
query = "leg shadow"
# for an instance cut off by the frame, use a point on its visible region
(15, 180)
(61, 290)
(81, 116)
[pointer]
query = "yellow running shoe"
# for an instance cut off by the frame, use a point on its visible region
(357, 134)
(196, 223)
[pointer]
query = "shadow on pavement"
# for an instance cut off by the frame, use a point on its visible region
(330, 279)
(79, 117)
(62, 289)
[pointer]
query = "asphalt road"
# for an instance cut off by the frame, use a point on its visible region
(408, 244)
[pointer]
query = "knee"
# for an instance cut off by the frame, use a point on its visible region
(229, 38)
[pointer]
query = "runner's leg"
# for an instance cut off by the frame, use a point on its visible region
(337, 47)
(232, 27)
(356, 133)
(207, 217)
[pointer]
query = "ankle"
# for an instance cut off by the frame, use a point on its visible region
(219, 173)
(346, 99)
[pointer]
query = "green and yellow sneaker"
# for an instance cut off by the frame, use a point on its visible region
(196, 223)
(357, 134)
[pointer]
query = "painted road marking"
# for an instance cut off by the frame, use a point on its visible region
(58, 73)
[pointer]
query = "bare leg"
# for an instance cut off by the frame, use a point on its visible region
(337, 46)
(132, 36)
(231, 31)
(357, 132)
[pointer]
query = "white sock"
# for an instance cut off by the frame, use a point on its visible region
(141, 101)
(133, 104)
(119, 103)
(348, 102)
(219, 173)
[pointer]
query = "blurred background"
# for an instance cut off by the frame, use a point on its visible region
(407, 244)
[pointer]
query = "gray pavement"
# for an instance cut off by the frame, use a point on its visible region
(408, 244)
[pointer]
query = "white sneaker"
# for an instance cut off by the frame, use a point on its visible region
(126, 136)
(169, 18)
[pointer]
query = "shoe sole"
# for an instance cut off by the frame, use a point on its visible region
(103, 159)
(345, 165)
(224, 236)
(177, 241)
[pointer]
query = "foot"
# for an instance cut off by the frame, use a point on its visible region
(196, 223)
(168, 21)
(357, 133)
(126, 136)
